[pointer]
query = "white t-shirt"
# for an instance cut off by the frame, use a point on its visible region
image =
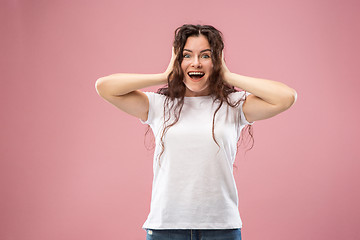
(194, 188)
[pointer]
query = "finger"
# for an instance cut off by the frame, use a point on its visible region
(173, 52)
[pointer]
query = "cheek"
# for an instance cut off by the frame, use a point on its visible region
(211, 68)
(210, 65)
(183, 66)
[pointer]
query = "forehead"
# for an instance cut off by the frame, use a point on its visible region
(197, 43)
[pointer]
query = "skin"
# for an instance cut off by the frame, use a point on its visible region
(268, 97)
(197, 57)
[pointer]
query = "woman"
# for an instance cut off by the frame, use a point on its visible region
(197, 120)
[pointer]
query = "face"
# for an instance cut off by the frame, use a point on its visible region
(197, 66)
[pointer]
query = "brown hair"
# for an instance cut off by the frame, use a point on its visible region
(175, 88)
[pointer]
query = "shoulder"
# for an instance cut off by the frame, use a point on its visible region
(238, 95)
(155, 95)
(155, 98)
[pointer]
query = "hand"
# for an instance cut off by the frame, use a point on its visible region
(224, 69)
(171, 64)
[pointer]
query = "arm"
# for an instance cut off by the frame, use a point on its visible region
(122, 91)
(268, 97)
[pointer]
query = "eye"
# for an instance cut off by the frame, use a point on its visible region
(186, 56)
(205, 56)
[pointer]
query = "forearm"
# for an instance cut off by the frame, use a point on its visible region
(123, 83)
(272, 92)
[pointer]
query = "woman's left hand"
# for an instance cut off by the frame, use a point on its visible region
(224, 69)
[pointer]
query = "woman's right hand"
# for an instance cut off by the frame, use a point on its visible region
(122, 89)
(171, 64)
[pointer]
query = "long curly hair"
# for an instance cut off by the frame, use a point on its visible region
(175, 88)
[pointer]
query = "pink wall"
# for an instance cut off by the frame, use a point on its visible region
(74, 167)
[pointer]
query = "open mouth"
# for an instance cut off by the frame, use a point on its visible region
(196, 75)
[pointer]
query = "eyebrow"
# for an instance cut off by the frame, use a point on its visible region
(200, 51)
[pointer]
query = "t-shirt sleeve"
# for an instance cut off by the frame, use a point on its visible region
(154, 107)
(243, 120)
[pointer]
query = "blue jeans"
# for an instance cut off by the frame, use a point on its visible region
(193, 234)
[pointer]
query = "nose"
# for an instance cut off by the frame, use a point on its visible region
(196, 63)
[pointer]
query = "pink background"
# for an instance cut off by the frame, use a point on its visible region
(74, 167)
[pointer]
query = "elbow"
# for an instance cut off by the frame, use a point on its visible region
(294, 96)
(289, 99)
(99, 86)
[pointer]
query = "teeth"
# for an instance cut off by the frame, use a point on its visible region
(196, 73)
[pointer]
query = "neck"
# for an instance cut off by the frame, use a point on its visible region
(203, 92)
